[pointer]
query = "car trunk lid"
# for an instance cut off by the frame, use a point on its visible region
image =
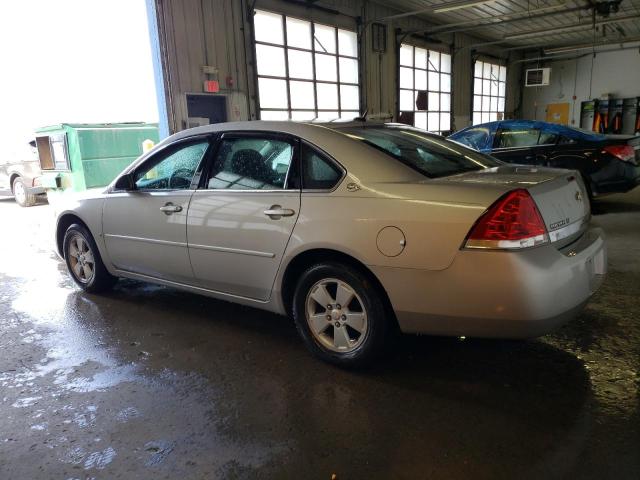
(559, 194)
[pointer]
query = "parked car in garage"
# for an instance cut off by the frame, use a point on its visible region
(355, 229)
(607, 163)
(19, 178)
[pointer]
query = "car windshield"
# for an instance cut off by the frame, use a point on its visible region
(428, 154)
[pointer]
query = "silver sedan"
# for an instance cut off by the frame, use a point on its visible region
(356, 230)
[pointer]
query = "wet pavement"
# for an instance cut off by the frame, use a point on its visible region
(150, 382)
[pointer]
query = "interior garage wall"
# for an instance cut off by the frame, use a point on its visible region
(616, 73)
(193, 33)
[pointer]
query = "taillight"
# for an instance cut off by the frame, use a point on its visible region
(512, 222)
(626, 153)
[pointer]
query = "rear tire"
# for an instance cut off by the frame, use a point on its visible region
(341, 316)
(21, 193)
(84, 262)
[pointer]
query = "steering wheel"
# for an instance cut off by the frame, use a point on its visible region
(183, 174)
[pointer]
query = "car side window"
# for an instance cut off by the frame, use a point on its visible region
(515, 137)
(565, 140)
(173, 171)
(547, 137)
(318, 172)
(256, 163)
(476, 138)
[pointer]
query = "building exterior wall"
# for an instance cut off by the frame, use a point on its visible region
(218, 33)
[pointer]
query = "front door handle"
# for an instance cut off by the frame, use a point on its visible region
(170, 208)
(275, 212)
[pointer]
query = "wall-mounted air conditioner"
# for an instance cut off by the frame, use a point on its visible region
(537, 77)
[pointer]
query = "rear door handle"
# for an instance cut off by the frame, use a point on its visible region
(170, 208)
(275, 212)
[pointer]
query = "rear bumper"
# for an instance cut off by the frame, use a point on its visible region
(616, 177)
(499, 294)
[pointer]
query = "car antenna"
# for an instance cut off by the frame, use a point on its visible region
(363, 117)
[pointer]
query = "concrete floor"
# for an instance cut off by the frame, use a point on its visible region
(149, 382)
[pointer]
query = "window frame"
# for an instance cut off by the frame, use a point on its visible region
(481, 94)
(203, 184)
(314, 80)
(439, 91)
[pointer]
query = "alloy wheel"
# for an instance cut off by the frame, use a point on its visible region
(336, 315)
(81, 258)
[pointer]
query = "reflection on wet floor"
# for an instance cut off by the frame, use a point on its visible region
(149, 382)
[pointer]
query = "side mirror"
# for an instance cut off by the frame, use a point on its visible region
(125, 182)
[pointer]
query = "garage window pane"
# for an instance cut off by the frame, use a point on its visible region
(445, 102)
(406, 55)
(406, 77)
(434, 81)
(273, 93)
(326, 68)
(349, 97)
(488, 92)
(328, 115)
(302, 95)
(421, 58)
(322, 54)
(445, 63)
(302, 115)
(268, 27)
(426, 75)
(327, 96)
(347, 43)
(348, 70)
(349, 115)
(421, 79)
(270, 60)
(300, 64)
(434, 61)
(407, 103)
(325, 39)
(434, 102)
(274, 115)
(298, 33)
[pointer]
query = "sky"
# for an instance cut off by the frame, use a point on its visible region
(72, 61)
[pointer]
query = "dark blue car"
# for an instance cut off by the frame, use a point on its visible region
(608, 163)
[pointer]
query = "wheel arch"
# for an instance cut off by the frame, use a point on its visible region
(12, 179)
(306, 259)
(64, 222)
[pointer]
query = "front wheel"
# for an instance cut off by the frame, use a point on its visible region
(84, 262)
(340, 315)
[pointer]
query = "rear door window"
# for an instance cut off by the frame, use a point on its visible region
(251, 163)
(516, 137)
(547, 137)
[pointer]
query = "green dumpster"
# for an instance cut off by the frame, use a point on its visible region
(75, 157)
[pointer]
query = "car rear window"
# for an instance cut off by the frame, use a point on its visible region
(429, 154)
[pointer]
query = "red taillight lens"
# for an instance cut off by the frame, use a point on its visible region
(626, 153)
(512, 222)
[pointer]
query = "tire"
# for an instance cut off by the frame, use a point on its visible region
(363, 326)
(84, 262)
(21, 193)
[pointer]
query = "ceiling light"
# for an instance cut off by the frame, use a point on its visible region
(449, 7)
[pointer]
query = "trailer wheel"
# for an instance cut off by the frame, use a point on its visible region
(21, 193)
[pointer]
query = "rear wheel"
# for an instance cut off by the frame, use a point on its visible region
(21, 193)
(340, 315)
(84, 262)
